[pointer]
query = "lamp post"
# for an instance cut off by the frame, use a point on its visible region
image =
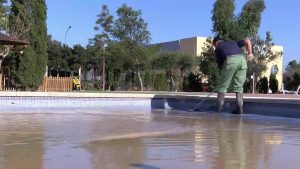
(66, 34)
(253, 82)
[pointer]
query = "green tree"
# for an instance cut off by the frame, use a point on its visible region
(130, 31)
(207, 66)
(77, 58)
(116, 60)
(273, 83)
(185, 65)
(223, 18)
(296, 78)
(167, 62)
(263, 52)
(147, 79)
(263, 85)
(31, 65)
(193, 83)
(18, 27)
(102, 39)
(249, 19)
(175, 65)
(291, 77)
(234, 27)
(110, 79)
(4, 10)
(160, 82)
(55, 56)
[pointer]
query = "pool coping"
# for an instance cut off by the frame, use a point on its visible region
(263, 104)
(179, 95)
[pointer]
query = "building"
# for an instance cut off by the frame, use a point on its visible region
(194, 46)
(276, 67)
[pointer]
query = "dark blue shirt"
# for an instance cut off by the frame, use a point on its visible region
(227, 48)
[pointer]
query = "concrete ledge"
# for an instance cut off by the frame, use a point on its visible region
(274, 105)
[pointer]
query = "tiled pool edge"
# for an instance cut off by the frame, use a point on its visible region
(36, 101)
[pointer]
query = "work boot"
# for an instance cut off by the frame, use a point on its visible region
(221, 98)
(239, 104)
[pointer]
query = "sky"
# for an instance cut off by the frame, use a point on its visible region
(172, 20)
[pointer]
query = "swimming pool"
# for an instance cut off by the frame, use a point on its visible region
(149, 139)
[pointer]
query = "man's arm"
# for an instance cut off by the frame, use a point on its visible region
(248, 46)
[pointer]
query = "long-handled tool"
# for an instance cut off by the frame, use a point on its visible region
(202, 101)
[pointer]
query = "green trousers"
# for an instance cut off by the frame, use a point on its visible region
(233, 74)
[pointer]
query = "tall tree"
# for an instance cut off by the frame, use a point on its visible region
(263, 51)
(249, 19)
(223, 18)
(230, 26)
(55, 56)
(130, 30)
(17, 27)
(78, 58)
(167, 62)
(103, 38)
(235, 27)
(32, 63)
(208, 68)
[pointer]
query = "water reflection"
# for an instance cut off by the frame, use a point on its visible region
(229, 142)
(240, 146)
(21, 140)
(117, 154)
(143, 140)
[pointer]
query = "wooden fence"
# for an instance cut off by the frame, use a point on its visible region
(57, 84)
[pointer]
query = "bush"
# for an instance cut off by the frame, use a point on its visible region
(192, 83)
(262, 85)
(273, 83)
(160, 82)
(147, 79)
(129, 80)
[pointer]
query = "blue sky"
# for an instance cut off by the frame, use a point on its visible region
(172, 19)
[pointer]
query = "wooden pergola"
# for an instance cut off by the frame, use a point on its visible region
(9, 40)
(12, 41)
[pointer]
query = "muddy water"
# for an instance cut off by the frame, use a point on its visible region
(167, 140)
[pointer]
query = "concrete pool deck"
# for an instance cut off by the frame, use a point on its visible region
(264, 104)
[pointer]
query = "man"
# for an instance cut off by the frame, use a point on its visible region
(231, 60)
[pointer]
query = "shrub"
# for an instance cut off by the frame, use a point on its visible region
(262, 85)
(192, 83)
(160, 82)
(273, 83)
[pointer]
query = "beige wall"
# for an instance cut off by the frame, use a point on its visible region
(200, 44)
(188, 46)
(194, 46)
(279, 63)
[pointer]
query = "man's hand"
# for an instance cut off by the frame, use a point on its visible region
(248, 46)
(250, 57)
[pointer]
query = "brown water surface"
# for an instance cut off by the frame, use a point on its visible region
(148, 140)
